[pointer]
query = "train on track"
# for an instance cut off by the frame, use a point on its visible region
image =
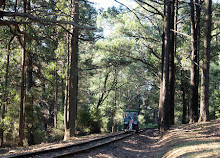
(131, 120)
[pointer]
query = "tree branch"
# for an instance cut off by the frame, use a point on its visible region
(43, 20)
(153, 69)
(157, 11)
(138, 37)
(152, 51)
(216, 34)
(104, 90)
(186, 35)
(139, 20)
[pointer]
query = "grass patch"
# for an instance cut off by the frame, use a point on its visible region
(191, 140)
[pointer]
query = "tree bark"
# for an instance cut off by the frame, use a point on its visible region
(160, 121)
(73, 89)
(204, 99)
(66, 102)
(164, 95)
(172, 66)
(115, 102)
(194, 68)
(63, 86)
(183, 98)
(55, 98)
(30, 100)
(22, 100)
(30, 96)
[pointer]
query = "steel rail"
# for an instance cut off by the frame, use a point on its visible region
(89, 148)
(64, 149)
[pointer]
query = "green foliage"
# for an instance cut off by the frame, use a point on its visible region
(4, 124)
(96, 121)
(56, 134)
(89, 119)
(84, 117)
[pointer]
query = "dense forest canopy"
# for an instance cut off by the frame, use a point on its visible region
(71, 68)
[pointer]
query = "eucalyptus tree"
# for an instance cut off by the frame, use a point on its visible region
(73, 81)
(204, 100)
(86, 16)
(194, 70)
(164, 96)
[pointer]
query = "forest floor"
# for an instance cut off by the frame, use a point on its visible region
(196, 140)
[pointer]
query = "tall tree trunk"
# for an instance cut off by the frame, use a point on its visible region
(66, 102)
(198, 30)
(5, 96)
(172, 66)
(63, 91)
(204, 99)
(73, 89)
(42, 104)
(22, 100)
(55, 98)
(115, 102)
(30, 100)
(164, 96)
(194, 69)
(215, 102)
(176, 24)
(114, 119)
(30, 96)
(183, 98)
(160, 121)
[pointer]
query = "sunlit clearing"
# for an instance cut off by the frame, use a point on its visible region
(194, 150)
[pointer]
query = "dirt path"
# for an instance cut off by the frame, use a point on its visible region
(191, 140)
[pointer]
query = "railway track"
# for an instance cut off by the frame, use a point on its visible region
(73, 149)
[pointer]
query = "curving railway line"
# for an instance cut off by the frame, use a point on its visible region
(73, 149)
